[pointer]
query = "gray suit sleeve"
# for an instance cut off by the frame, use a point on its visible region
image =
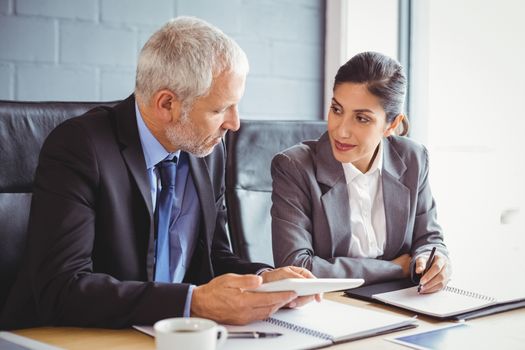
(297, 239)
(427, 232)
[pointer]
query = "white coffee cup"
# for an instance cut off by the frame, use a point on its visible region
(189, 333)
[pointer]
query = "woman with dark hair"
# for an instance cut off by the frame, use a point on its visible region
(356, 203)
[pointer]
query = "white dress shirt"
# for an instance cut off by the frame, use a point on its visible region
(367, 208)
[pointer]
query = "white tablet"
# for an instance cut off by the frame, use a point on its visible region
(309, 286)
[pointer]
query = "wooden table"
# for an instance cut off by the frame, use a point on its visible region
(508, 323)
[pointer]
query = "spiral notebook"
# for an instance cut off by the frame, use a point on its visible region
(449, 303)
(316, 325)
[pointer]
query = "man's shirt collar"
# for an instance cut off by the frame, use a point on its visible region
(154, 152)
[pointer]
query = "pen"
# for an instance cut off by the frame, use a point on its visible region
(430, 261)
(253, 335)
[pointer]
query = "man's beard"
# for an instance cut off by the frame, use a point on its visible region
(183, 136)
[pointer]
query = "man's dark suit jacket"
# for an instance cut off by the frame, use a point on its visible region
(90, 254)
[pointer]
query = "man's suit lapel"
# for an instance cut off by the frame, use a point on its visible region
(128, 136)
(335, 198)
(396, 198)
(200, 175)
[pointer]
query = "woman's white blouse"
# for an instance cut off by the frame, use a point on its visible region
(367, 209)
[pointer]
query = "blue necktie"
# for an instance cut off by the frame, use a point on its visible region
(163, 214)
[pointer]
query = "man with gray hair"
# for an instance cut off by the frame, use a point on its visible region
(128, 222)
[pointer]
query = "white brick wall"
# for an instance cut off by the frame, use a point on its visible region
(56, 83)
(111, 81)
(5, 7)
(288, 98)
(87, 49)
(97, 44)
(73, 9)
(27, 39)
(137, 12)
(6, 81)
(293, 60)
(225, 14)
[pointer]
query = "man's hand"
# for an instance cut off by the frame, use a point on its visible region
(437, 276)
(404, 262)
(225, 300)
(292, 272)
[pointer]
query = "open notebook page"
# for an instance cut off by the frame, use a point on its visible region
(441, 304)
(341, 321)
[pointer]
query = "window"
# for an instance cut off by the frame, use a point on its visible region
(468, 79)
(355, 26)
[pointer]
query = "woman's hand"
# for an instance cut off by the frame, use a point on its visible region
(437, 276)
(404, 262)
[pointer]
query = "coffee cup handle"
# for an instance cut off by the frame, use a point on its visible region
(222, 335)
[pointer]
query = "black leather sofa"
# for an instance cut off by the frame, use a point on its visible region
(25, 125)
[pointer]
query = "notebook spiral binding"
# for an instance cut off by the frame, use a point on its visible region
(468, 293)
(297, 328)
